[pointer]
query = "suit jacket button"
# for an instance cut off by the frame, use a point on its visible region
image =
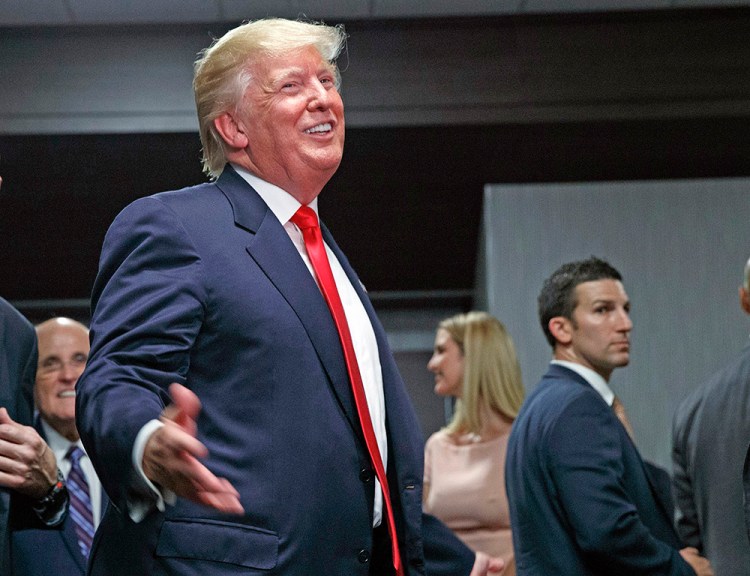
(363, 556)
(365, 474)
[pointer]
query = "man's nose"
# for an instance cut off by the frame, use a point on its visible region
(69, 372)
(625, 323)
(319, 97)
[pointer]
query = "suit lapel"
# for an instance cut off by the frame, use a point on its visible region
(557, 371)
(273, 251)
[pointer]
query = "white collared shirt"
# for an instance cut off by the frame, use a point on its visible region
(284, 205)
(597, 382)
(60, 446)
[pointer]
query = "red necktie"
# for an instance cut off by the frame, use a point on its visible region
(307, 221)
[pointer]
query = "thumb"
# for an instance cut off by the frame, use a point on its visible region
(5, 417)
(496, 565)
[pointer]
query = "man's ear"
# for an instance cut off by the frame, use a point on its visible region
(561, 328)
(745, 300)
(230, 131)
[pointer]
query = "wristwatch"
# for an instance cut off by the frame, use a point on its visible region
(51, 507)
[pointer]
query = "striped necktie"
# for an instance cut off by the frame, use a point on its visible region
(80, 501)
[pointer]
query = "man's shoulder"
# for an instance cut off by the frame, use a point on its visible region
(199, 201)
(559, 391)
(13, 318)
(731, 380)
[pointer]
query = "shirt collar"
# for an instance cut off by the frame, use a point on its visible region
(58, 443)
(278, 200)
(594, 379)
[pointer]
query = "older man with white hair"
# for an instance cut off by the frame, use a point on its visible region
(63, 351)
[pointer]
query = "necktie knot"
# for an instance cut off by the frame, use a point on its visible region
(74, 454)
(305, 218)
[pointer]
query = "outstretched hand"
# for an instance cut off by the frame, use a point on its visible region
(27, 465)
(171, 457)
(485, 565)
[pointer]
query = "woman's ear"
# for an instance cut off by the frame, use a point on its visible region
(230, 131)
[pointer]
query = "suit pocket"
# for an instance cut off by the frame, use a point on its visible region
(216, 541)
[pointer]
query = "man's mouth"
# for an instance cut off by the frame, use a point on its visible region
(326, 127)
(67, 394)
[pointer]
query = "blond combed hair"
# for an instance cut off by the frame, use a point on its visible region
(492, 374)
(222, 71)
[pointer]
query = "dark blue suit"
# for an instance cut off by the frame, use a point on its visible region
(45, 552)
(581, 500)
(203, 287)
(18, 358)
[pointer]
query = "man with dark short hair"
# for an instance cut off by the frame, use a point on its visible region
(581, 500)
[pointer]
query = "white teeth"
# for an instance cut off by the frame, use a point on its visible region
(319, 128)
(68, 394)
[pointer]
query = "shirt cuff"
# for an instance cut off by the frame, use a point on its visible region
(153, 497)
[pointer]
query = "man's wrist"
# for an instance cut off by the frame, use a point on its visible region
(51, 507)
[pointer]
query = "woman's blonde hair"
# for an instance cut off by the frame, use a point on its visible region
(222, 71)
(492, 374)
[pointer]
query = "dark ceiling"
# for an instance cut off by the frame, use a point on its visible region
(405, 205)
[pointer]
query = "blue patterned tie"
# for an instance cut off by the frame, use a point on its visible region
(80, 501)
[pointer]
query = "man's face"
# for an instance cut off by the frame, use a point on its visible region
(600, 327)
(63, 351)
(294, 118)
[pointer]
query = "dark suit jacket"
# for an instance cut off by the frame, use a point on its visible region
(746, 492)
(203, 286)
(44, 552)
(711, 433)
(18, 358)
(581, 502)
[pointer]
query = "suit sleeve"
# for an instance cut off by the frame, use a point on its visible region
(587, 469)
(688, 525)
(444, 553)
(147, 306)
(22, 515)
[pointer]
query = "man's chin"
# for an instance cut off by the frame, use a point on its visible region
(624, 360)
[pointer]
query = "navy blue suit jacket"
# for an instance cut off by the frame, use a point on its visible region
(18, 359)
(203, 287)
(45, 552)
(581, 500)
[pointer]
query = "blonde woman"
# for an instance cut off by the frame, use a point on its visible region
(475, 361)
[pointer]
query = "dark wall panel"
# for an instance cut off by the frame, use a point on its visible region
(405, 204)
